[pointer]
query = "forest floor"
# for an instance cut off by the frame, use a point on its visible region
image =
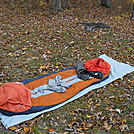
(40, 43)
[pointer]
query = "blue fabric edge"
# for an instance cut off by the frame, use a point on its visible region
(42, 76)
(35, 109)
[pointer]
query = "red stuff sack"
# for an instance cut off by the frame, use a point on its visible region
(15, 97)
(97, 64)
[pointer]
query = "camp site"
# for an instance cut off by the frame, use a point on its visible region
(67, 66)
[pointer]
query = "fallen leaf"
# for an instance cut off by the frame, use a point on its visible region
(50, 129)
(42, 67)
(118, 110)
(107, 126)
(26, 129)
(88, 116)
(89, 125)
(111, 85)
(124, 127)
(13, 128)
(131, 114)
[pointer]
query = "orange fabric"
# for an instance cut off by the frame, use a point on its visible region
(15, 97)
(97, 64)
(44, 80)
(56, 98)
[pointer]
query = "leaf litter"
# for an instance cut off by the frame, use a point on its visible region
(35, 44)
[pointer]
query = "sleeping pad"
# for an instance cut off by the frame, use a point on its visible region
(42, 98)
(40, 90)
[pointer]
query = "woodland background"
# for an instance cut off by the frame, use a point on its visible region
(40, 37)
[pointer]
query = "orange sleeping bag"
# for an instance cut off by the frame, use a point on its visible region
(55, 97)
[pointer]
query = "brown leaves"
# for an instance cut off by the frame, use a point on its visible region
(13, 128)
(41, 43)
(107, 126)
(45, 67)
(26, 129)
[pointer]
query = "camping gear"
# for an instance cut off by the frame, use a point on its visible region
(117, 70)
(97, 64)
(84, 74)
(15, 97)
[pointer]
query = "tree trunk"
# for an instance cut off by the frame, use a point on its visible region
(57, 5)
(66, 4)
(132, 15)
(106, 3)
(87, 3)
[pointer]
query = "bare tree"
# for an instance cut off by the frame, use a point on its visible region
(132, 15)
(87, 3)
(57, 5)
(66, 4)
(106, 3)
